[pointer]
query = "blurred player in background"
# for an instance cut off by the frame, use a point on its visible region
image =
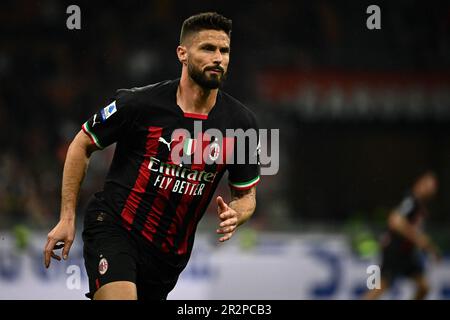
(405, 241)
(139, 230)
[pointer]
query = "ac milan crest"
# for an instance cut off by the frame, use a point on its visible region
(103, 266)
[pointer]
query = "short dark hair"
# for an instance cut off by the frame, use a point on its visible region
(205, 21)
(427, 173)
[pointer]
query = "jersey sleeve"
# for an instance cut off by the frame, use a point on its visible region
(112, 122)
(407, 207)
(244, 173)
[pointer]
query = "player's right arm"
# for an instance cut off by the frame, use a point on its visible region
(398, 223)
(75, 168)
(105, 127)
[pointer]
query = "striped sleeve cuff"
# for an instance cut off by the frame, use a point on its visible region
(91, 135)
(244, 185)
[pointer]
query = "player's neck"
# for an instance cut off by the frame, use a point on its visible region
(194, 99)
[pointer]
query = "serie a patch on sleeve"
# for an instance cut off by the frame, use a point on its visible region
(109, 110)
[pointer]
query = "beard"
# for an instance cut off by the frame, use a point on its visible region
(213, 81)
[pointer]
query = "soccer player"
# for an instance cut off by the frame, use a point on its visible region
(405, 239)
(139, 230)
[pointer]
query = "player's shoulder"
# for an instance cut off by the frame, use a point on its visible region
(142, 95)
(148, 90)
(237, 109)
(408, 204)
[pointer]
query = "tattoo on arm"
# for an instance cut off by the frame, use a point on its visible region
(238, 194)
(244, 202)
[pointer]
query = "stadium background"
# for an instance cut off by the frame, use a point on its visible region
(361, 113)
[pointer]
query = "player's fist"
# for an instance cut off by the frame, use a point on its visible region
(229, 220)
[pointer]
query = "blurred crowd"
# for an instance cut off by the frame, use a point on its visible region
(53, 79)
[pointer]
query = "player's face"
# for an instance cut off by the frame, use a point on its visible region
(427, 187)
(208, 55)
(431, 186)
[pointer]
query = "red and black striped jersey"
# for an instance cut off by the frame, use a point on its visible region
(413, 210)
(152, 194)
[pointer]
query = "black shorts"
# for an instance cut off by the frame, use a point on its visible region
(112, 253)
(398, 262)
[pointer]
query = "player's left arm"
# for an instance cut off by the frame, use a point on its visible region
(238, 211)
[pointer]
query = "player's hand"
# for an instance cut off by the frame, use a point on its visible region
(229, 220)
(435, 253)
(423, 242)
(61, 236)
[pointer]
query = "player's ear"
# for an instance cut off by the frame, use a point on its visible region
(182, 54)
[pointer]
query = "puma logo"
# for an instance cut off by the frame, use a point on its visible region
(95, 122)
(161, 139)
